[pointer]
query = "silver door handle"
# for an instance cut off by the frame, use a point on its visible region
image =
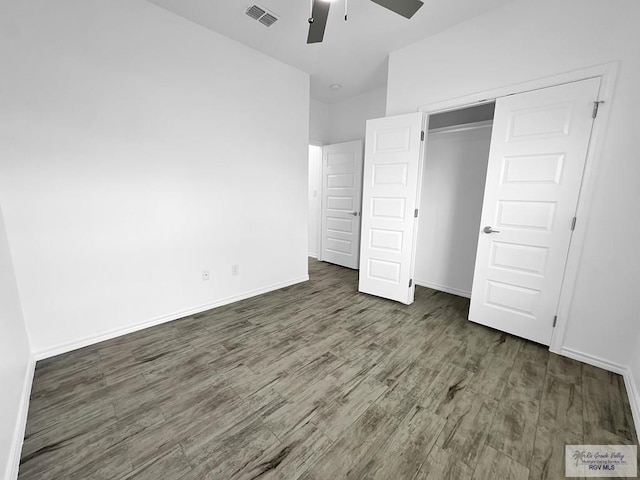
(488, 229)
(355, 214)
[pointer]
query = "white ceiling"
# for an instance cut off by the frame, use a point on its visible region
(353, 54)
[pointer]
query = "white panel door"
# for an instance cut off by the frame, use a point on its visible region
(536, 162)
(341, 203)
(392, 174)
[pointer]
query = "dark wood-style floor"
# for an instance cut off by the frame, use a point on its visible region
(316, 381)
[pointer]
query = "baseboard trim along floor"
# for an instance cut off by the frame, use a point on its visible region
(69, 347)
(21, 423)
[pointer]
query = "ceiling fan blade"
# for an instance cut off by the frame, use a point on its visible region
(319, 13)
(406, 8)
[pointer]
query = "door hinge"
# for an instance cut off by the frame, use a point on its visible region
(422, 136)
(573, 223)
(596, 106)
(555, 320)
(415, 213)
(410, 282)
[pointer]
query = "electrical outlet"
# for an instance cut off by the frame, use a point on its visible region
(235, 269)
(205, 275)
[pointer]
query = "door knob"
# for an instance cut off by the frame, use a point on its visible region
(355, 214)
(488, 229)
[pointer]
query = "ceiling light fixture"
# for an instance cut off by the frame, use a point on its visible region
(335, 86)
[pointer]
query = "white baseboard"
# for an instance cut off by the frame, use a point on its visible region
(67, 347)
(313, 255)
(443, 288)
(21, 423)
(630, 383)
(593, 360)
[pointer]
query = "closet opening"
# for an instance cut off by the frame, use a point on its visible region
(453, 181)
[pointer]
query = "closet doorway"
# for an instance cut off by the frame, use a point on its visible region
(453, 178)
(537, 156)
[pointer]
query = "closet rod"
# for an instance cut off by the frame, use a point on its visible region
(462, 128)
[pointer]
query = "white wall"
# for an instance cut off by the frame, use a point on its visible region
(318, 123)
(139, 149)
(315, 196)
(347, 119)
(15, 361)
(453, 181)
(528, 40)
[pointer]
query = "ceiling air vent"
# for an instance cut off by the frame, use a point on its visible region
(261, 14)
(255, 12)
(267, 19)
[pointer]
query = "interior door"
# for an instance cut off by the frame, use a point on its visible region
(391, 186)
(536, 162)
(341, 203)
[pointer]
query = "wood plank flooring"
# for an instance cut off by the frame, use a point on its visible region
(317, 381)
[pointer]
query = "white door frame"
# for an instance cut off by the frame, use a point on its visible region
(319, 229)
(608, 73)
(319, 207)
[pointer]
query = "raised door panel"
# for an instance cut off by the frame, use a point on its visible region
(390, 191)
(538, 152)
(341, 200)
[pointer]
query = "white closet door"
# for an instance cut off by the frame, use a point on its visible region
(341, 202)
(392, 175)
(536, 162)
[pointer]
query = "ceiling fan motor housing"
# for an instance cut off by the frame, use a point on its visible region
(320, 10)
